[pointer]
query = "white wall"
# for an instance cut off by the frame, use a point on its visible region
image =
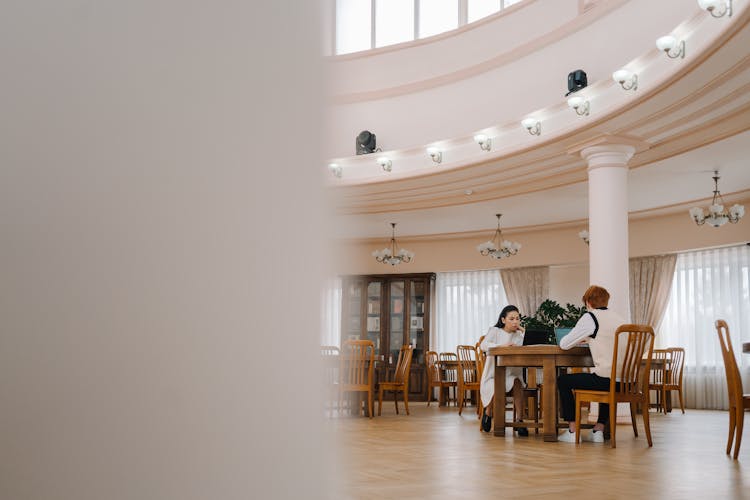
(568, 282)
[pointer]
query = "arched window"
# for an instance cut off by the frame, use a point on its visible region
(367, 24)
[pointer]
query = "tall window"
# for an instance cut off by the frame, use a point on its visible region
(330, 313)
(468, 303)
(708, 285)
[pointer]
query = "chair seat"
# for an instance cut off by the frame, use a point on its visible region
(390, 386)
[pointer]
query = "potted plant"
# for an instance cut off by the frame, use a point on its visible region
(552, 317)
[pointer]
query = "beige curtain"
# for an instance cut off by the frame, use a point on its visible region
(650, 283)
(526, 287)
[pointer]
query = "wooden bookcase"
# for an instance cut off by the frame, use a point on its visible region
(391, 310)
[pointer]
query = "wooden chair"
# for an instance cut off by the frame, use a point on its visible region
(330, 356)
(738, 402)
(666, 376)
(468, 378)
(449, 375)
(357, 360)
(400, 379)
(433, 374)
(633, 385)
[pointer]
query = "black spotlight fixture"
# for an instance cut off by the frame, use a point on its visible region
(576, 81)
(365, 142)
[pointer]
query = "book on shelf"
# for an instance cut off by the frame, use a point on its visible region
(373, 324)
(373, 307)
(398, 306)
(417, 322)
(420, 307)
(397, 324)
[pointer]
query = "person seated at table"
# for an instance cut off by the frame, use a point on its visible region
(506, 332)
(597, 329)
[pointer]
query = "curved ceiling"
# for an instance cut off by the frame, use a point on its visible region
(688, 117)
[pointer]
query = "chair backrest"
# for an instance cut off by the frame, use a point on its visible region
(658, 363)
(481, 357)
(433, 369)
(330, 356)
(676, 363)
(329, 350)
(734, 382)
(639, 345)
(467, 363)
(449, 372)
(357, 361)
(403, 364)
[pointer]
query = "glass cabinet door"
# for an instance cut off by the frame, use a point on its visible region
(351, 327)
(397, 307)
(417, 297)
(374, 298)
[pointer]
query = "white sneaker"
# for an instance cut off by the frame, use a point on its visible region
(567, 437)
(593, 437)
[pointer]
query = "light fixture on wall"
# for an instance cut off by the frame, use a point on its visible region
(336, 170)
(393, 255)
(626, 78)
(533, 125)
(671, 46)
(717, 214)
(717, 8)
(579, 105)
(435, 154)
(497, 247)
(584, 235)
(484, 142)
(385, 163)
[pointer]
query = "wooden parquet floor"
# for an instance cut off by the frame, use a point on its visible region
(434, 453)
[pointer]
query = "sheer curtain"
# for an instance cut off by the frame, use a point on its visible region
(468, 303)
(709, 285)
(650, 284)
(526, 287)
(330, 312)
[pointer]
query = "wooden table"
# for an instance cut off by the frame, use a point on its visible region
(549, 358)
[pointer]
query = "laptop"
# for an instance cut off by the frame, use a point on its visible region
(560, 333)
(537, 337)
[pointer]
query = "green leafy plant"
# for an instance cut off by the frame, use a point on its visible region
(551, 315)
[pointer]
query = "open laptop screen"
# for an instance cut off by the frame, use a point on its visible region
(536, 337)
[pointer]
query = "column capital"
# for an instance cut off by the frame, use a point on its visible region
(609, 155)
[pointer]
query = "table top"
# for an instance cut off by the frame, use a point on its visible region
(538, 349)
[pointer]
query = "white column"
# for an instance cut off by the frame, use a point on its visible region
(608, 232)
(608, 222)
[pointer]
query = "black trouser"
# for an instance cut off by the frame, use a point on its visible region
(591, 381)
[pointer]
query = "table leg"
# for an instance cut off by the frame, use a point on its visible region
(549, 398)
(499, 408)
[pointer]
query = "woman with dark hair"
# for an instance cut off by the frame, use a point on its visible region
(506, 332)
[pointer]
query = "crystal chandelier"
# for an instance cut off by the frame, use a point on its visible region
(393, 255)
(497, 247)
(717, 214)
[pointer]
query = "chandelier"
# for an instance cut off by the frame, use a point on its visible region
(497, 247)
(393, 255)
(717, 214)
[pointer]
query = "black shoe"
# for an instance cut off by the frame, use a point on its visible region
(486, 423)
(522, 431)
